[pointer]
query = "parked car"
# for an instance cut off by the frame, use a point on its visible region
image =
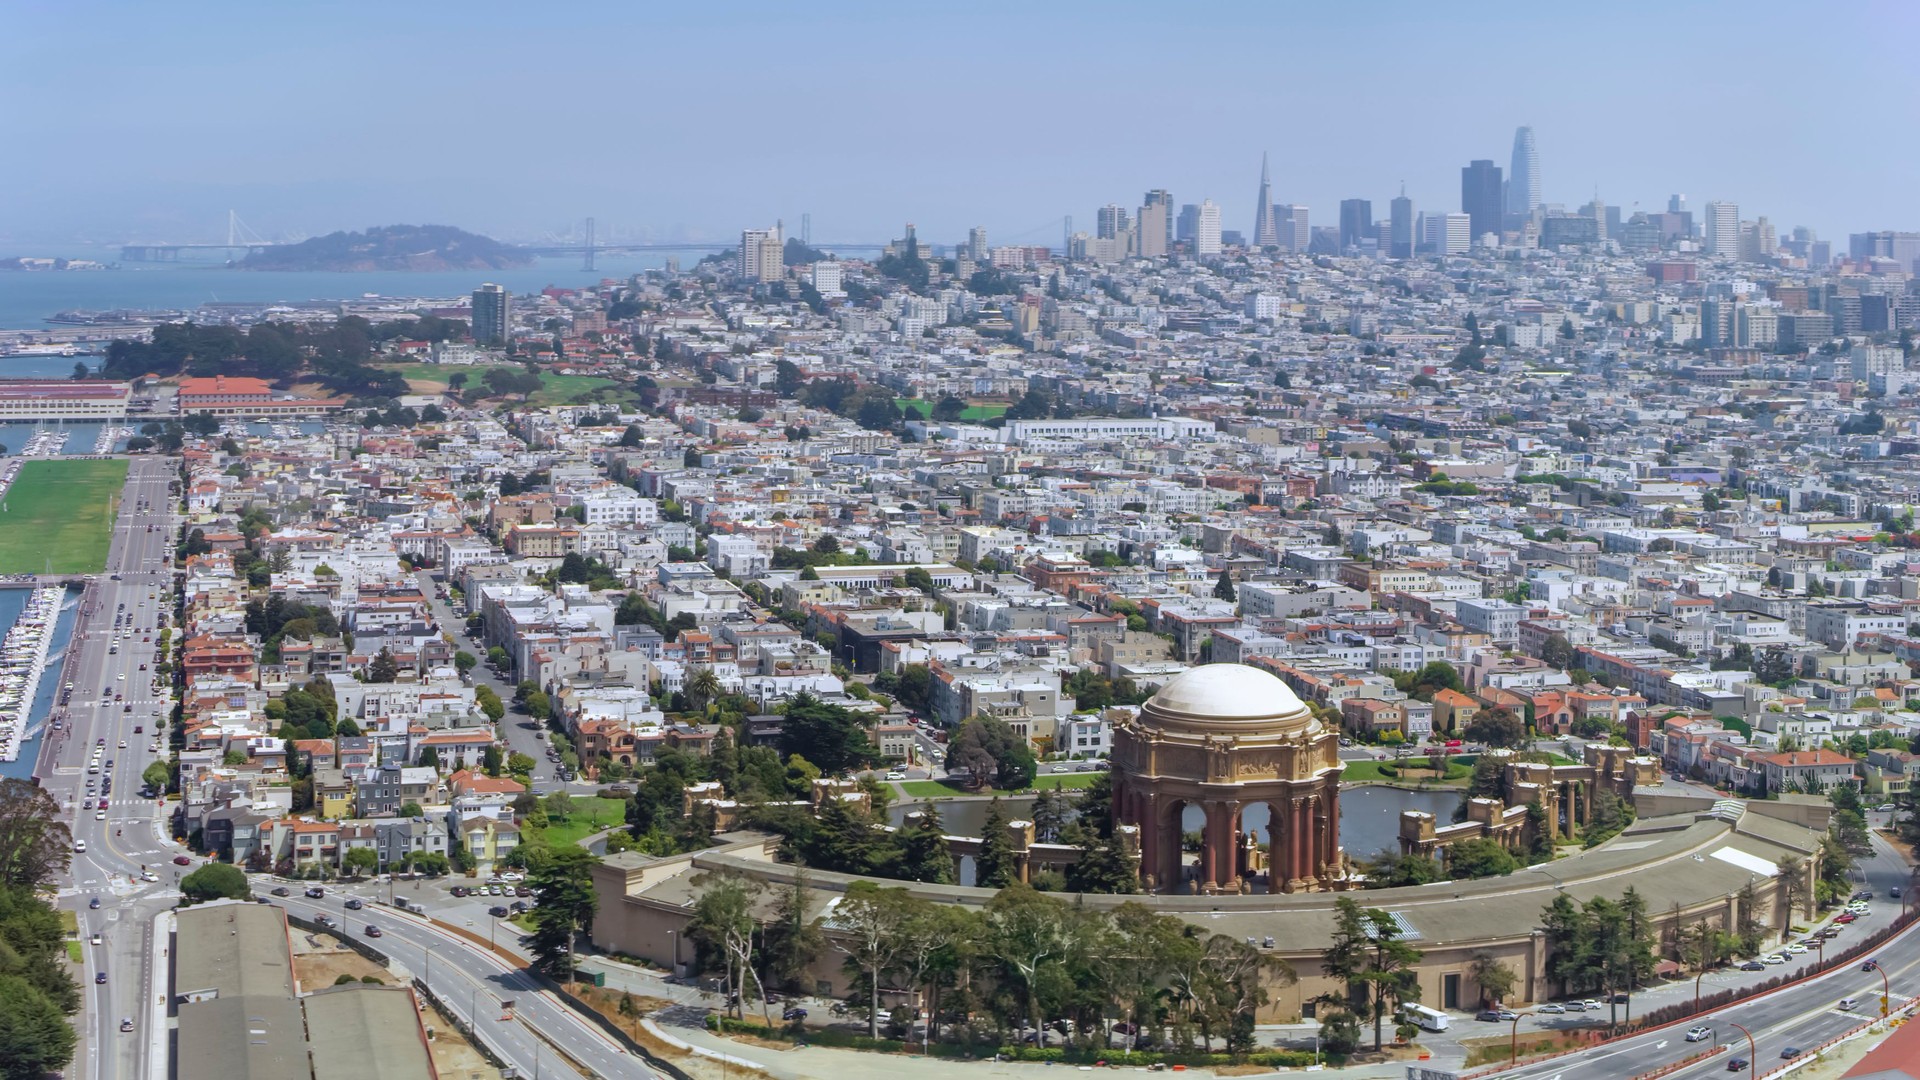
(1552, 1007)
(1591, 1005)
(1753, 965)
(1699, 1033)
(793, 1014)
(1773, 958)
(498, 911)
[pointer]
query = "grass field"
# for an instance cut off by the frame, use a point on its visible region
(922, 408)
(590, 814)
(943, 789)
(554, 389)
(59, 516)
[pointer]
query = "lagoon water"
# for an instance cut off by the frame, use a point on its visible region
(1369, 817)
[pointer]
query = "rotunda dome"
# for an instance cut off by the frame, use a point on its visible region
(1226, 699)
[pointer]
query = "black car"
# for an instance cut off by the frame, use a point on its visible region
(1738, 1065)
(282, 890)
(1789, 1052)
(1753, 965)
(497, 911)
(353, 905)
(793, 1014)
(100, 977)
(94, 902)
(315, 892)
(372, 930)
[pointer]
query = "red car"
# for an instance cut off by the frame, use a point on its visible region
(182, 860)
(1846, 918)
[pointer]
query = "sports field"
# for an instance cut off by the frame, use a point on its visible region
(58, 516)
(923, 408)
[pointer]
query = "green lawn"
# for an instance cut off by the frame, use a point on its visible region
(590, 815)
(945, 789)
(59, 515)
(554, 389)
(432, 378)
(1363, 771)
(922, 408)
(74, 954)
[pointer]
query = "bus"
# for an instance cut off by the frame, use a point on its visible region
(1430, 1019)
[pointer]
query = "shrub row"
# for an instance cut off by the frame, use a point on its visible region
(834, 1037)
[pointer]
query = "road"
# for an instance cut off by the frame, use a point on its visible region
(473, 983)
(1802, 1016)
(111, 696)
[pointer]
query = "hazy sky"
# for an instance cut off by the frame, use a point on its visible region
(148, 121)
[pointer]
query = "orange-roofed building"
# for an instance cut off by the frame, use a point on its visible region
(232, 395)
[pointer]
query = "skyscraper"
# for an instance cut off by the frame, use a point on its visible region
(1723, 229)
(1189, 222)
(1206, 232)
(490, 314)
(1400, 227)
(1111, 221)
(1291, 228)
(1480, 194)
(1523, 179)
(1356, 221)
(977, 243)
(1265, 230)
(1154, 227)
(763, 256)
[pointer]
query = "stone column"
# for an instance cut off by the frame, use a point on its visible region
(1279, 835)
(1220, 856)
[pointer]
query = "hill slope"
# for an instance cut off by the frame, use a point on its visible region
(391, 247)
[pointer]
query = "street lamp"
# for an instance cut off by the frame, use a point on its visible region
(675, 935)
(1753, 1053)
(1513, 1039)
(1886, 991)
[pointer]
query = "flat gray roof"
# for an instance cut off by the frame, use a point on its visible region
(233, 958)
(369, 1032)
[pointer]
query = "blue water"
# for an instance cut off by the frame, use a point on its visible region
(12, 601)
(28, 299)
(80, 437)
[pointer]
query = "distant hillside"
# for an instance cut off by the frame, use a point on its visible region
(392, 247)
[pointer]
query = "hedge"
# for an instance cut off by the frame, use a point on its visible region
(846, 1040)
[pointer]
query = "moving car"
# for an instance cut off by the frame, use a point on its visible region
(498, 911)
(353, 905)
(372, 930)
(282, 890)
(1847, 1004)
(94, 902)
(1699, 1033)
(99, 978)
(182, 860)
(1789, 1052)
(315, 892)
(1738, 1064)
(126, 1024)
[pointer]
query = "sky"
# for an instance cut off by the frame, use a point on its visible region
(149, 122)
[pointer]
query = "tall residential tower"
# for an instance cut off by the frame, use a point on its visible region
(490, 315)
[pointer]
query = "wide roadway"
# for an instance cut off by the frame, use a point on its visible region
(473, 984)
(1801, 1016)
(131, 839)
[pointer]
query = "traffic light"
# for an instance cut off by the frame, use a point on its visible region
(1883, 1006)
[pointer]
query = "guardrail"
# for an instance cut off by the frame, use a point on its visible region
(1683, 1063)
(1808, 1056)
(620, 1037)
(1725, 999)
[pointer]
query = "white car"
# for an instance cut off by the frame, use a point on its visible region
(1552, 1007)
(1699, 1033)
(1793, 950)
(1590, 1005)
(80, 846)
(896, 775)
(1773, 958)
(99, 815)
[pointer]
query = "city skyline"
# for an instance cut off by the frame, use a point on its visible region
(669, 156)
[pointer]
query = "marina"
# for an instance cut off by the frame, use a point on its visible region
(23, 660)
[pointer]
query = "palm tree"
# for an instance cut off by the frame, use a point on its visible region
(703, 689)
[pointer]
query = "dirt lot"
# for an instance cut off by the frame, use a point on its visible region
(320, 959)
(454, 1058)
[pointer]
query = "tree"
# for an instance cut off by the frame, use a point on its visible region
(1495, 979)
(429, 758)
(156, 775)
(35, 1038)
(991, 754)
(564, 904)
(1557, 652)
(993, 865)
(793, 939)
(724, 920)
(215, 881)
(924, 854)
(384, 668)
(491, 760)
(1027, 933)
(464, 661)
(1049, 814)
(1223, 586)
(831, 737)
(360, 861)
(1497, 726)
(35, 846)
(520, 764)
(869, 922)
(1367, 955)
(411, 809)
(1467, 859)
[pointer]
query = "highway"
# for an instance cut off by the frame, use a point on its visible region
(1801, 1016)
(473, 983)
(126, 864)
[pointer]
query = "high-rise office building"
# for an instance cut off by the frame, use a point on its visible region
(1902, 247)
(1480, 196)
(1206, 230)
(1677, 204)
(1155, 226)
(1400, 227)
(1523, 179)
(1291, 228)
(490, 314)
(1111, 221)
(1189, 223)
(977, 244)
(1723, 229)
(1266, 231)
(1356, 221)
